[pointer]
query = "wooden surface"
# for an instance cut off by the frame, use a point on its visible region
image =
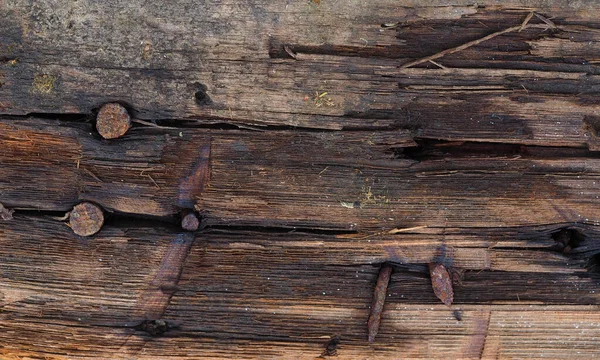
(314, 155)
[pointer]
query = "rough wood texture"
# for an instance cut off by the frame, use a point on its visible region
(315, 146)
(351, 181)
(276, 294)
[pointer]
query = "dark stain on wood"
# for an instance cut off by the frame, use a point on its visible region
(201, 95)
(153, 327)
(155, 300)
(331, 347)
(191, 187)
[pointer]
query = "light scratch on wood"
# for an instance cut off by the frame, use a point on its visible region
(438, 65)
(529, 16)
(92, 175)
(155, 184)
(474, 42)
(396, 231)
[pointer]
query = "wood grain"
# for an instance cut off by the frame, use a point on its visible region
(351, 181)
(255, 294)
(180, 63)
(313, 154)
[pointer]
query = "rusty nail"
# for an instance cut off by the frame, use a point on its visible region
(113, 121)
(441, 283)
(86, 219)
(378, 300)
(189, 221)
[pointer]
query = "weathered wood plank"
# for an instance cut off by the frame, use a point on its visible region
(475, 161)
(344, 180)
(517, 332)
(184, 66)
(250, 294)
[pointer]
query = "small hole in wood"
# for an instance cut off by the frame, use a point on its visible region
(153, 327)
(593, 264)
(201, 95)
(331, 347)
(567, 240)
(592, 124)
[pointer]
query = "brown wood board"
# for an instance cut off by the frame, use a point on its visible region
(317, 143)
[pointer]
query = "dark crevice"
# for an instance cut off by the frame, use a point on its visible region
(567, 239)
(36, 213)
(288, 51)
(127, 220)
(201, 95)
(431, 149)
(75, 117)
(217, 123)
(153, 327)
(593, 266)
(280, 230)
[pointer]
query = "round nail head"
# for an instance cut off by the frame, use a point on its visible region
(113, 121)
(86, 219)
(190, 222)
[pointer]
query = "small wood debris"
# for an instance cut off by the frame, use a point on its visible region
(6, 214)
(289, 51)
(321, 99)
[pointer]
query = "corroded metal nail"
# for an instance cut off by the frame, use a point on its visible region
(189, 221)
(441, 283)
(378, 300)
(86, 219)
(113, 121)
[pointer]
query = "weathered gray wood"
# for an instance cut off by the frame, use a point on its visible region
(161, 59)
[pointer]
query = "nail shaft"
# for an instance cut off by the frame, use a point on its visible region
(378, 301)
(441, 283)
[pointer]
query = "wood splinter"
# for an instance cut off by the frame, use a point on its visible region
(378, 301)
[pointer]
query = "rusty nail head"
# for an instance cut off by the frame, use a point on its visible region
(113, 121)
(86, 219)
(190, 222)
